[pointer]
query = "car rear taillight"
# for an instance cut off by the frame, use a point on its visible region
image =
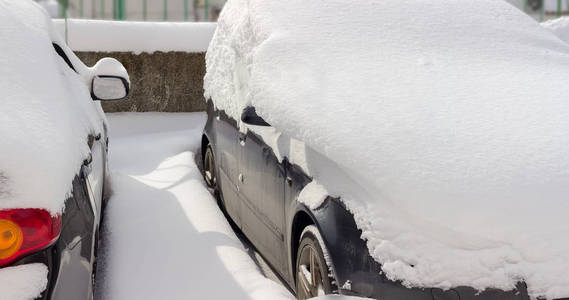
(24, 231)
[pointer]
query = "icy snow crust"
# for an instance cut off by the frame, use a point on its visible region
(446, 122)
(46, 111)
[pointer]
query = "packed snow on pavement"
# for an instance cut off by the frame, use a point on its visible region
(448, 127)
(164, 235)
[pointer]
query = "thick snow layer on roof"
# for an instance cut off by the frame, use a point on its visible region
(137, 37)
(447, 119)
(23, 282)
(46, 112)
(560, 27)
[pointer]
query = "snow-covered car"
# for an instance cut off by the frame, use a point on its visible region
(393, 149)
(53, 157)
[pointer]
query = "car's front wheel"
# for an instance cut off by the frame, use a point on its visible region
(209, 171)
(313, 274)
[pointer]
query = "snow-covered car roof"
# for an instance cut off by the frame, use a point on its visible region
(46, 111)
(449, 117)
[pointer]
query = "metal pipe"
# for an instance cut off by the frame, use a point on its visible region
(121, 9)
(558, 8)
(165, 17)
(144, 5)
(206, 10)
(185, 10)
(102, 9)
(81, 9)
(63, 9)
(542, 11)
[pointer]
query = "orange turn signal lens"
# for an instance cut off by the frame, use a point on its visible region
(11, 238)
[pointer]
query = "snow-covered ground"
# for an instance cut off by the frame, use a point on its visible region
(164, 236)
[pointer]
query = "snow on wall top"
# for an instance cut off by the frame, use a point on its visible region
(560, 27)
(46, 111)
(448, 120)
(137, 37)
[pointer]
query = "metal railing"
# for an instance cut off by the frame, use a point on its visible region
(539, 8)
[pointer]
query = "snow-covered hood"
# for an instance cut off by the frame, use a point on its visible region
(46, 112)
(448, 119)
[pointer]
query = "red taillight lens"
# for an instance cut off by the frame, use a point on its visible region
(24, 231)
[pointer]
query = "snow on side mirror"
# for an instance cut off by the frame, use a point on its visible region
(110, 80)
(250, 117)
(106, 87)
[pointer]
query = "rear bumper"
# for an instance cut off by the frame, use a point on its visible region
(69, 273)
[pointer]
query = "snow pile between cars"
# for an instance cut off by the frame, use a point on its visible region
(46, 112)
(448, 121)
(186, 249)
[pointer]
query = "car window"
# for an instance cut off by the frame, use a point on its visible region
(250, 117)
(61, 53)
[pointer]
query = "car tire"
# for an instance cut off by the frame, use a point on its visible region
(314, 275)
(210, 176)
(209, 170)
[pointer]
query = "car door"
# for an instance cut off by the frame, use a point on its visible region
(227, 156)
(94, 172)
(261, 189)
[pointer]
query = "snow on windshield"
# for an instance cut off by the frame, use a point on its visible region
(447, 119)
(46, 112)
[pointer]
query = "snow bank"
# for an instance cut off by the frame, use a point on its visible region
(23, 282)
(161, 207)
(46, 111)
(137, 37)
(447, 119)
(559, 26)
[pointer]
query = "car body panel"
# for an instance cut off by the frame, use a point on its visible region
(264, 202)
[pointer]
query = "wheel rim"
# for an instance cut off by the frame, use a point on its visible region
(309, 278)
(209, 169)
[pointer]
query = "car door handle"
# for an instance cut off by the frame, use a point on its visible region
(88, 160)
(242, 138)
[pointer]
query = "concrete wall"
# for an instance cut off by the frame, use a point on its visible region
(166, 82)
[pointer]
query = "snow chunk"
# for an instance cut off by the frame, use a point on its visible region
(137, 37)
(559, 26)
(46, 111)
(448, 127)
(23, 282)
(313, 195)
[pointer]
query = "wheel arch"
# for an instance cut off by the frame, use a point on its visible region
(205, 142)
(347, 251)
(301, 220)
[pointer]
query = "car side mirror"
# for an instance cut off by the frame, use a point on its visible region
(110, 80)
(250, 117)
